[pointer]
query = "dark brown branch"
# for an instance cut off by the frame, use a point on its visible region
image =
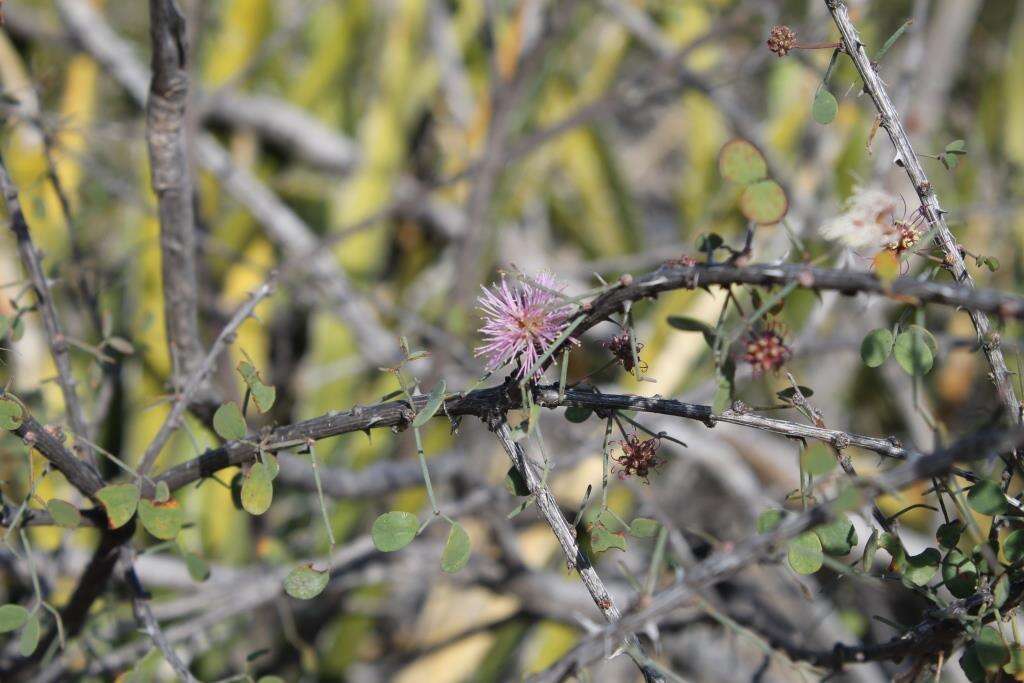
(166, 136)
(80, 474)
(32, 262)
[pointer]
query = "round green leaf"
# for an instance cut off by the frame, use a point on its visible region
(228, 422)
(162, 493)
(394, 530)
(515, 483)
(970, 665)
(764, 202)
(838, 537)
(741, 162)
(269, 461)
(257, 489)
(805, 553)
(769, 520)
(992, 651)
(262, 395)
(642, 527)
(197, 567)
(11, 414)
(817, 460)
(12, 617)
(601, 540)
(948, 535)
(959, 574)
(825, 107)
(163, 520)
(922, 567)
(913, 351)
(987, 498)
(64, 513)
(120, 502)
(29, 636)
(305, 583)
(1013, 546)
(876, 347)
(577, 415)
(456, 549)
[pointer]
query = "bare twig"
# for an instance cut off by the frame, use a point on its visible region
(199, 374)
(166, 135)
(32, 262)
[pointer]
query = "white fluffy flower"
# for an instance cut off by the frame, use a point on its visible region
(866, 222)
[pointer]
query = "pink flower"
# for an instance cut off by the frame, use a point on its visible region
(521, 321)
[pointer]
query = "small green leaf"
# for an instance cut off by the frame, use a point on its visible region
(456, 549)
(764, 202)
(709, 242)
(769, 520)
(577, 414)
(838, 537)
(689, 324)
(11, 414)
(433, 403)
(959, 574)
(789, 393)
(394, 530)
(825, 106)
(162, 492)
(515, 483)
(601, 540)
(987, 498)
(269, 461)
(12, 617)
(29, 636)
(817, 460)
(805, 553)
(971, 666)
(922, 567)
(64, 513)
(1001, 590)
(948, 535)
(162, 520)
(228, 422)
(197, 567)
(876, 347)
(912, 352)
(262, 395)
(257, 489)
(305, 583)
(956, 147)
(741, 162)
(992, 651)
(642, 527)
(1013, 546)
(992, 263)
(870, 548)
(120, 502)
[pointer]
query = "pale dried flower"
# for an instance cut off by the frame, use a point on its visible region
(867, 221)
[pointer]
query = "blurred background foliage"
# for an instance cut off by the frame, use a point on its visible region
(578, 136)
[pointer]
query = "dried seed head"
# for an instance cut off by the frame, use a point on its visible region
(620, 347)
(766, 350)
(781, 40)
(639, 457)
(905, 236)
